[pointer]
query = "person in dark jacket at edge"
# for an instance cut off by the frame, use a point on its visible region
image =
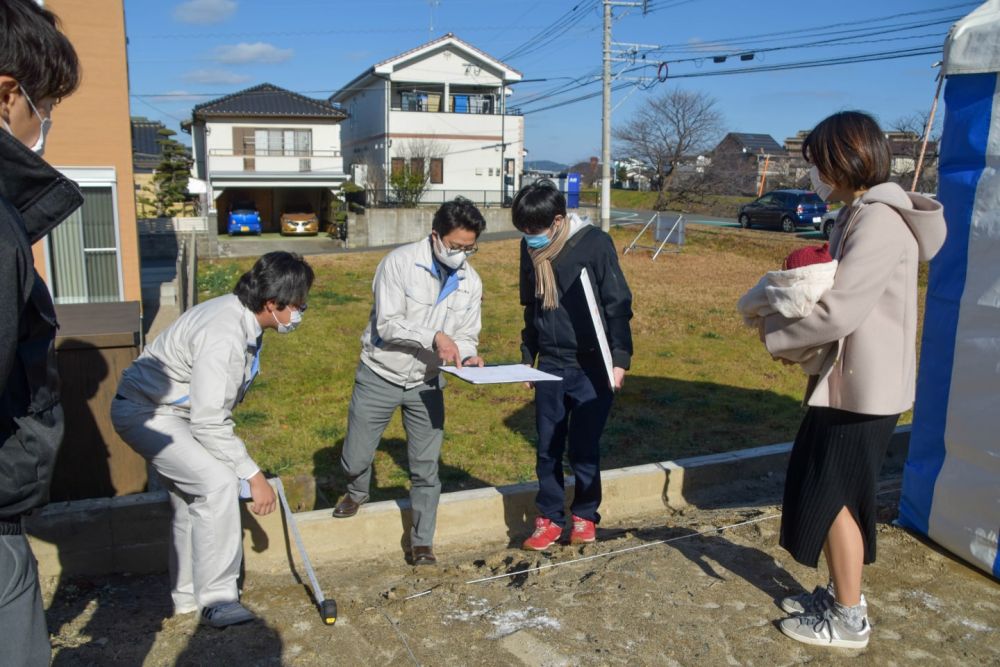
(559, 332)
(38, 67)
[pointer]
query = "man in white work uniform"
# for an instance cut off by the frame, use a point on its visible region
(174, 407)
(426, 312)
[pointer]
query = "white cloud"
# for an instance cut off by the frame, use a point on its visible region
(257, 52)
(204, 11)
(214, 77)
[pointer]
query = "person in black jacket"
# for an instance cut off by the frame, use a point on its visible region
(38, 66)
(559, 332)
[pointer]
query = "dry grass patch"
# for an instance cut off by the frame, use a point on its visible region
(700, 380)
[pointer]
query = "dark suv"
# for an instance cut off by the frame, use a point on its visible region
(787, 209)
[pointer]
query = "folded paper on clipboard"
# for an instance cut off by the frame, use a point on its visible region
(595, 316)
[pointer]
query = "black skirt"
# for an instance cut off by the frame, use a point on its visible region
(835, 463)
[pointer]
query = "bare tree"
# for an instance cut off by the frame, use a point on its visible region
(669, 130)
(410, 178)
(906, 151)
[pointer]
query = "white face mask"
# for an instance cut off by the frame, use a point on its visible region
(819, 186)
(293, 322)
(43, 129)
(453, 259)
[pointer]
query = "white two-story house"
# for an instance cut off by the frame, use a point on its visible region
(271, 147)
(441, 109)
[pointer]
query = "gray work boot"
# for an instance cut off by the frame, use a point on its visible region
(226, 614)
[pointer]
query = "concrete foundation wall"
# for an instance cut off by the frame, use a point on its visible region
(130, 533)
(392, 226)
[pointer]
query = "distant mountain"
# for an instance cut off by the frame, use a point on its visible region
(544, 165)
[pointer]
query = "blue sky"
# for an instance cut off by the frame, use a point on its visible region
(185, 52)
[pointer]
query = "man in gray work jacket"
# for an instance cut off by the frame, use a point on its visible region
(426, 313)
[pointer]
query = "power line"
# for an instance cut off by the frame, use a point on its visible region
(809, 64)
(790, 33)
(554, 30)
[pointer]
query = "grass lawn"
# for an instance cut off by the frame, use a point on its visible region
(700, 381)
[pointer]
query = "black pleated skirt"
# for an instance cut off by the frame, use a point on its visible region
(835, 463)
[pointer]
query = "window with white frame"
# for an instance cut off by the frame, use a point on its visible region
(279, 142)
(84, 259)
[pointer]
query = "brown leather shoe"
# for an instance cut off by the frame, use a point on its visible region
(423, 556)
(346, 507)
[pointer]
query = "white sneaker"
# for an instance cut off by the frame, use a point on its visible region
(811, 603)
(826, 629)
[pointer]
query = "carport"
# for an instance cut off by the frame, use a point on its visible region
(275, 196)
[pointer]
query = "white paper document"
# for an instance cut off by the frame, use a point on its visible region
(500, 374)
(595, 315)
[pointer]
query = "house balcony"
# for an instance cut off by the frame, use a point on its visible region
(448, 99)
(290, 162)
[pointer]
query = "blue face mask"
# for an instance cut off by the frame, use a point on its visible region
(537, 241)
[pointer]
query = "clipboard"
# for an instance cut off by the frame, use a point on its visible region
(501, 374)
(595, 316)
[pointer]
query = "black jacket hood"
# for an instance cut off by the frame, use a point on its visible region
(42, 195)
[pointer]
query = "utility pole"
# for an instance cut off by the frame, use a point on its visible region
(606, 125)
(606, 116)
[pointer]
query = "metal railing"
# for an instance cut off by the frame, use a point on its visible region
(229, 152)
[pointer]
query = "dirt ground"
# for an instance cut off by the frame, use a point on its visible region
(704, 597)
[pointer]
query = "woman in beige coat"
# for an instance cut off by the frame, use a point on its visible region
(865, 325)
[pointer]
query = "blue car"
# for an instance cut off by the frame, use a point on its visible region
(785, 209)
(244, 219)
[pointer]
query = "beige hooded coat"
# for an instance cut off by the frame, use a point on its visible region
(870, 313)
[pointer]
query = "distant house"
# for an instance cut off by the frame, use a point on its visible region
(268, 146)
(145, 149)
(440, 108)
(631, 174)
(146, 156)
(745, 160)
(905, 147)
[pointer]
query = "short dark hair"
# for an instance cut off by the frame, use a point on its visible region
(850, 150)
(536, 206)
(35, 52)
(282, 276)
(459, 212)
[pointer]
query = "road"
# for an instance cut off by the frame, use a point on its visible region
(623, 216)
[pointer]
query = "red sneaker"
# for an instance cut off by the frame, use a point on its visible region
(546, 534)
(584, 531)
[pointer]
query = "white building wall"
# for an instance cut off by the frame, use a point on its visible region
(469, 144)
(363, 132)
(326, 149)
(447, 66)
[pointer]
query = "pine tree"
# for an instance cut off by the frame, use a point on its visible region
(170, 179)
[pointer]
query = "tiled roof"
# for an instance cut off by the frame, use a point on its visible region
(144, 136)
(268, 100)
(757, 143)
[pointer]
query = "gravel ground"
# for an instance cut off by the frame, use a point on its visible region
(705, 597)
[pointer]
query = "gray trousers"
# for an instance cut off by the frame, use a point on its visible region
(22, 618)
(373, 403)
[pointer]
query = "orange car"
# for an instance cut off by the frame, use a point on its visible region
(299, 221)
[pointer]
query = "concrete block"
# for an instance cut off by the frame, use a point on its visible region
(130, 533)
(72, 537)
